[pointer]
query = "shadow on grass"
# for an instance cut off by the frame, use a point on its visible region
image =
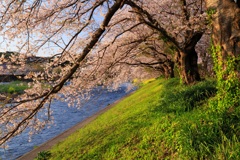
(177, 98)
(205, 134)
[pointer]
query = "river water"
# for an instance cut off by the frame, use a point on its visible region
(64, 118)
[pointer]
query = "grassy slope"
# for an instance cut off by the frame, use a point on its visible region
(162, 120)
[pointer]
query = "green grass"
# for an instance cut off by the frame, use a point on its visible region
(13, 87)
(161, 120)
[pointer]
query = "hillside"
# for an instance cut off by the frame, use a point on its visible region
(161, 120)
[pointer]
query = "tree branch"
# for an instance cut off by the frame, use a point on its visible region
(152, 22)
(97, 34)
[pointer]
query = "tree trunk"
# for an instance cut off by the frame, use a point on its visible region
(188, 66)
(226, 28)
(168, 69)
(187, 59)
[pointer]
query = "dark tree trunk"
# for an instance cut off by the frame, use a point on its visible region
(238, 3)
(168, 69)
(187, 59)
(188, 66)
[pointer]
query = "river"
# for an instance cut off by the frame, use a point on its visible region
(64, 118)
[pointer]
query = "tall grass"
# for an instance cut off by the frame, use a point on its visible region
(162, 120)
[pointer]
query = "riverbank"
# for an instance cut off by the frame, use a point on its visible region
(161, 120)
(46, 146)
(64, 118)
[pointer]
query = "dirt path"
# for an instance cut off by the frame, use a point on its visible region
(47, 145)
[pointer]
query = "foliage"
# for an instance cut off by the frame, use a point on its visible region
(228, 83)
(8, 54)
(210, 12)
(11, 90)
(156, 122)
(226, 104)
(13, 87)
(44, 155)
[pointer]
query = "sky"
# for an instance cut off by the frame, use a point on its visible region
(6, 45)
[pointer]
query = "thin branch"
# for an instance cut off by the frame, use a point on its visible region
(127, 30)
(152, 22)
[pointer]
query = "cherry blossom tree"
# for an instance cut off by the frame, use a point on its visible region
(31, 18)
(179, 26)
(181, 23)
(136, 49)
(104, 43)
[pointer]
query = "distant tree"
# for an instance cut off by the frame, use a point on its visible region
(180, 23)
(137, 49)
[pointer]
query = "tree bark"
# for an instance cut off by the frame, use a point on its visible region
(168, 69)
(226, 28)
(187, 60)
(188, 66)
